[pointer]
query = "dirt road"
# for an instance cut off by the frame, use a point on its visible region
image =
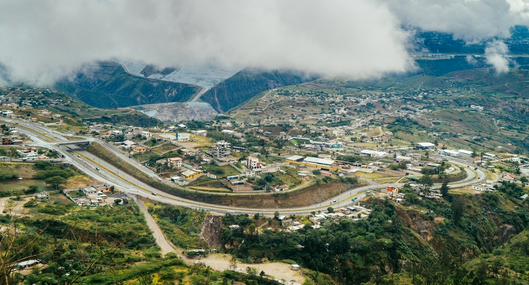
(165, 246)
(221, 262)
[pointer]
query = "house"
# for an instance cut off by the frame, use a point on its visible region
(139, 149)
(178, 180)
(425, 146)
(128, 144)
(295, 158)
(27, 263)
(146, 134)
(202, 133)
(222, 149)
(28, 154)
(401, 158)
(6, 113)
(7, 141)
(191, 174)
(465, 153)
(253, 163)
(175, 162)
(450, 152)
(91, 190)
(373, 153)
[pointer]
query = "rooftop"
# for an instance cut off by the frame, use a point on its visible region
(318, 160)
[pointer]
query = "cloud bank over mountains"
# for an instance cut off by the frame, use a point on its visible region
(42, 41)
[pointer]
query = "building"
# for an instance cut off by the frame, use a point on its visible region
(175, 162)
(373, 153)
(190, 174)
(295, 158)
(402, 158)
(465, 153)
(450, 152)
(28, 154)
(128, 144)
(183, 137)
(7, 141)
(139, 149)
(313, 162)
(202, 133)
(253, 163)
(425, 146)
(6, 113)
(222, 149)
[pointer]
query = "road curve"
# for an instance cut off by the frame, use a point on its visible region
(107, 173)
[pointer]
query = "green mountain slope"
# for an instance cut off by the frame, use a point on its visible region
(247, 84)
(463, 239)
(110, 86)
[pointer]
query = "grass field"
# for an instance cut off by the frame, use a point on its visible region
(17, 187)
(24, 170)
(221, 171)
(78, 181)
(163, 148)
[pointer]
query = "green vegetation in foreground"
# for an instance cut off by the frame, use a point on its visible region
(73, 242)
(462, 239)
(302, 197)
(181, 225)
(96, 246)
(18, 179)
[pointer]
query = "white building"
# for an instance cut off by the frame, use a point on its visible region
(222, 149)
(202, 133)
(450, 152)
(319, 161)
(253, 163)
(175, 162)
(373, 153)
(465, 153)
(425, 146)
(183, 137)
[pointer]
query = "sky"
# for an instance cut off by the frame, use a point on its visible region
(42, 41)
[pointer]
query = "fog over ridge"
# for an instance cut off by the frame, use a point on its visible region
(45, 40)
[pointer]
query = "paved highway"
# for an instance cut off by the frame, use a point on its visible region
(107, 173)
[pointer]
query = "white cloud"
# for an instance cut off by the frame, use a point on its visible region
(496, 55)
(471, 59)
(43, 40)
(470, 20)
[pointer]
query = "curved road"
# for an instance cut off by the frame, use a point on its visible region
(107, 173)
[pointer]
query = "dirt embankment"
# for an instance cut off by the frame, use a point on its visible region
(211, 231)
(299, 198)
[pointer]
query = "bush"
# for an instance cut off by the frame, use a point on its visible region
(7, 174)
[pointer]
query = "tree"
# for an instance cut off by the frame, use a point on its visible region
(458, 210)
(444, 189)
(55, 182)
(426, 182)
(524, 180)
(14, 248)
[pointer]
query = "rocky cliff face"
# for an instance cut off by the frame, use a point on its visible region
(108, 85)
(246, 84)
